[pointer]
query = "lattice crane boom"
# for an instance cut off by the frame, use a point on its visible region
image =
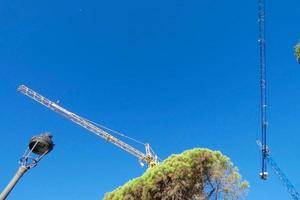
(284, 180)
(150, 158)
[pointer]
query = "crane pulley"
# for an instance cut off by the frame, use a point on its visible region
(149, 157)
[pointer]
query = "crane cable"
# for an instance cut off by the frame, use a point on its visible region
(116, 132)
(125, 136)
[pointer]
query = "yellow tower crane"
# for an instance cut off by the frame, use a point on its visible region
(150, 158)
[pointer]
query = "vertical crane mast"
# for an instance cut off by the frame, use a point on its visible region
(266, 158)
(150, 158)
(263, 93)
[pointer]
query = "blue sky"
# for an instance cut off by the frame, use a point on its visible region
(175, 74)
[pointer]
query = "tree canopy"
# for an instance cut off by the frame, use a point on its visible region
(196, 174)
(297, 52)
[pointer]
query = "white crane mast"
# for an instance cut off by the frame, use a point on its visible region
(150, 158)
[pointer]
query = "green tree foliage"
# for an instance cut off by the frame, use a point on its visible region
(196, 174)
(297, 52)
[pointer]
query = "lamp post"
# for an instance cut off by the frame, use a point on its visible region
(37, 148)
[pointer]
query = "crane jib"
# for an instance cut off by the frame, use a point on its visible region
(86, 124)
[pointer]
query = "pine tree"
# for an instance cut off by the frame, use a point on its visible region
(196, 174)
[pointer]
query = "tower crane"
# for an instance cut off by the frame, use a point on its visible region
(265, 152)
(150, 158)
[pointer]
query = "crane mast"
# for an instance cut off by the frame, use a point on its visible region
(150, 158)
(263, 95)
(265, 152)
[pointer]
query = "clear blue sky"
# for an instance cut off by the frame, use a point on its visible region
(176, 74)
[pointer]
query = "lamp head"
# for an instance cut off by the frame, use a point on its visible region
(41, 144)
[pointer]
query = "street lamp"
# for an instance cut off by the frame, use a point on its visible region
(37, 148)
